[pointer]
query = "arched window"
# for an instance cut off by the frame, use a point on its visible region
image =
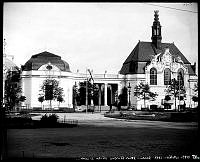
(153, 76)
(155, 33)
(158, 31)
(180, 76)
(167, 76)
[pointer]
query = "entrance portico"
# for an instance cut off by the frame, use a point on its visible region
(108, 87)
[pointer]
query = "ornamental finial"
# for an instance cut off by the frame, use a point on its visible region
(156, 12)
(156, 15)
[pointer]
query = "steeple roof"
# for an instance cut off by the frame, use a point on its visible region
(156, 31)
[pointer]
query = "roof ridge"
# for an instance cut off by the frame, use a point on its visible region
(45, 53)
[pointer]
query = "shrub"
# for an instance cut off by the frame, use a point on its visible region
(49, 120)
(22, 119)
(18, 122)
(167, 98)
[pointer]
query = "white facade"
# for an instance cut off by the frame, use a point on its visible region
(160, 64)
(33, 80)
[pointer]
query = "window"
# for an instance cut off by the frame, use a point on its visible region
(158, 31)
(153, 76)
(155, 32)
(167, 76)
(180, 76)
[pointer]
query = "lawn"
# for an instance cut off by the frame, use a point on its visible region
(89, 141)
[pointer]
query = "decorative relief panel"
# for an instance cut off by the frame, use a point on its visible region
(167, 57)
(166, 61)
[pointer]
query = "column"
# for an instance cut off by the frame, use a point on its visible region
(100, 86)
(111, 95)
(99, 93)
(105, 94)
(22, 86)
(118, 89)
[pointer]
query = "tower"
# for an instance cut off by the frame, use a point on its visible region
(156, 31)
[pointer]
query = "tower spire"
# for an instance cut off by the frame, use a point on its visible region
(156, 31)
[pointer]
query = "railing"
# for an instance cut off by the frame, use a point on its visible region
(99, 75)
(69, 121)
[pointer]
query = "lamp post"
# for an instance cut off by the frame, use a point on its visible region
(129, 94)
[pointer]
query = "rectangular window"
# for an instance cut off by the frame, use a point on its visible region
(167, 76)
(167, 79)
(153, 80)
(155, 32)
(153, 76)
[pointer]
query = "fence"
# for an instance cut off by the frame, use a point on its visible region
(69, 121)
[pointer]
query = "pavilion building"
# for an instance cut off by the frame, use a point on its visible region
(154, 63)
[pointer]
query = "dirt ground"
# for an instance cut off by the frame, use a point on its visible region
(100, 137)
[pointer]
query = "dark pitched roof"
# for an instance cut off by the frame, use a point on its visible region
(36, 61)
(143, 52)
(191, 70)
(46, 54)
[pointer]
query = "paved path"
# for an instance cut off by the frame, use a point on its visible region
(98, 119)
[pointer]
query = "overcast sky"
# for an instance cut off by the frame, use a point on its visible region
(99, 36)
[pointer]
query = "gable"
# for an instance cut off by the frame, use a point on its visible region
(143, 52)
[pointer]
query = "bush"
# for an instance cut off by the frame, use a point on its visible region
(167, 98)
(52, 119)
(19, 119)
(24, 111)
(18, 122)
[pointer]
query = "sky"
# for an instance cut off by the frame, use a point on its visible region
(98, 36)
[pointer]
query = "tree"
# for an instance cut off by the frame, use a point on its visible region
(13, 91)
(76, 99)
(60, 99)
(195, 97)
(41, 99)
(196, 88)
(166, 104)
(167, 97)
(176, 89)
(51, 90)
(142, 91)
(123, 97)
(95, 94)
